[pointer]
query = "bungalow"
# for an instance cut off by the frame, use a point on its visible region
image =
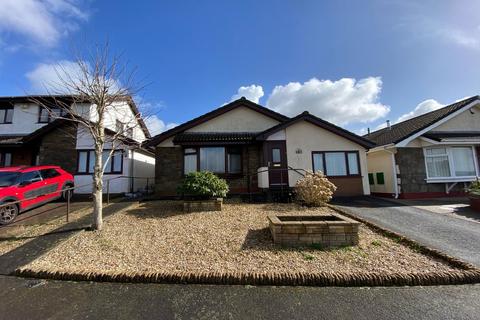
(256, 149)
(32, 135)
(434, 154)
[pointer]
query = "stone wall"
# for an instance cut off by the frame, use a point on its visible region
(294, 231)
(168, 170)
(413, 174)
(58, 147)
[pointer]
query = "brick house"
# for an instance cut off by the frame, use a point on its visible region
(434, 154)
(255, 149)
(29, 135)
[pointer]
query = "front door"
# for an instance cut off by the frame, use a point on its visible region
(276, 157)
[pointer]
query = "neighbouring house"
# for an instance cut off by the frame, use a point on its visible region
(431, 155)
(256, 149)
(32, 135)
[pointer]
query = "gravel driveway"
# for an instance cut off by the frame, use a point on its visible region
(454, 236)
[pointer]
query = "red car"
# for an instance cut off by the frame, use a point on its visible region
(32, 187)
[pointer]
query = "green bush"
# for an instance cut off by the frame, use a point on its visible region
(203, 185)
(474, 189)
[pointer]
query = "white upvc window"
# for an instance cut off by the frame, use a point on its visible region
(452, 162)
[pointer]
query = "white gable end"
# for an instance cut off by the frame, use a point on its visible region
(241, 119)
(468, 120)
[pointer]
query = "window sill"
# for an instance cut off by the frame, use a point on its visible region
(345, 177)
(451, 179)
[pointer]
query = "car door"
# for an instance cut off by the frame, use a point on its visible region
(30, 185)
(51, 183)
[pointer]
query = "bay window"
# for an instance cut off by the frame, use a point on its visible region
(221, 160)
(450, 162)
(336, 163)
(86, 161)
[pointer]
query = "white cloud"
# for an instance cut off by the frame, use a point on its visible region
(460, 37)
(51, 77)
(341, 102)
(155, 125)
(46, 77)
(423, 107)
(45, 22)
(252, 93)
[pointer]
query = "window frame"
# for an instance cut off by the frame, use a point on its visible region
(62, 113)
(451, 163)
(2, 159)
(7, 107)
(88, 151)
(345, 154)
(228, 150)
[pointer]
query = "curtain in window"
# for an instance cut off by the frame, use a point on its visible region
(105, 159)
(437, 163)
(212, 159)
(335, 162)
(463, 161)
(190, 163)
(82, 161)
(318, 162)
(117, 161)
(353, 163)
(234, 163)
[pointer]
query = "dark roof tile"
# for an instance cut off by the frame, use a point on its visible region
(407, 128)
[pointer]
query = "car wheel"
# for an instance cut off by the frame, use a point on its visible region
(8, 213)
(66, 193)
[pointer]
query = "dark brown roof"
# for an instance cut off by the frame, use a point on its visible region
(191, 138)
(73, 98)
(305, 116)
(407, 128)
(242, 102)
(439, 135)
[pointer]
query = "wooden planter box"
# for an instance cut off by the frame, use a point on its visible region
(475, 202)
(202, 205)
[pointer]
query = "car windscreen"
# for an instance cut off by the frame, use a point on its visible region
(8, 178)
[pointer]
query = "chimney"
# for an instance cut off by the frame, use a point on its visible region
(388, 124)
(368, 131)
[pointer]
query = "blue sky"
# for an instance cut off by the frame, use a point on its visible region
(354, 63)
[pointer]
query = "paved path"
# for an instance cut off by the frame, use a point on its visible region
(39, 299)
(454, 236)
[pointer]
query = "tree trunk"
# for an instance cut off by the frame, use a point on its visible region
(98, 188)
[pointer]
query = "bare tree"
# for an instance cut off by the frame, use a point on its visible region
(89, 95)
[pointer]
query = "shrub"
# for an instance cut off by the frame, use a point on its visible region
(314, 189)
(204, 185)
(474, 188)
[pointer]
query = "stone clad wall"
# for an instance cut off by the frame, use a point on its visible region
(413, 173)
(168, 170)
(58, 147)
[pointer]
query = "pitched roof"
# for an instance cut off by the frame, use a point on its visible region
(74, 98)
(407, 128)
(305, 116)
(215, 137)
(242, 102)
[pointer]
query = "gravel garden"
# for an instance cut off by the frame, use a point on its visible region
(202, 240)
(158, 237)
